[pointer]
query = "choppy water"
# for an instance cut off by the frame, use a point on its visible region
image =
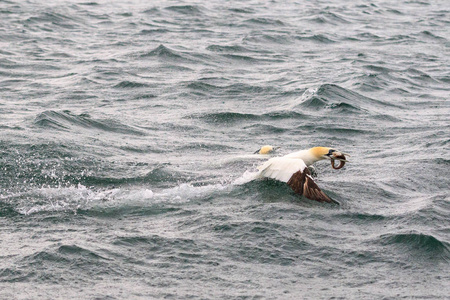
(126, 129)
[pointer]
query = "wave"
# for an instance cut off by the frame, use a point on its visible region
(130, 85)
(228, 117)
(71, 250)
(345, 132)
(107, 202)
(53, 261)
(185, 9)
(328, 18)
(65, 120)
(325, 98)
(270, 247)
(419, 244)
(432, 36)
(363, 217)
(167, 250)
(242, 10)
(265, 129)
(161, 176)
(251, 120)
(153, 31)
(341, 100)
(266, 21)
(383, 78)
(317, 38)
(51, 19)
(37, 164)
(163, 51)
(158, 244)
(318, 103)
(91, 3)
(242, 58)
(203, 86)
(7, 209)
(229, 90)
(6, 127)
(166, 54)
(228, 49)
(285, 114)
(266, 38)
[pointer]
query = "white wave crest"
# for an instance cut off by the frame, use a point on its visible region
(76, 197)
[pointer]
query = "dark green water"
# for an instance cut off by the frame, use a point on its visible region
(127, 129)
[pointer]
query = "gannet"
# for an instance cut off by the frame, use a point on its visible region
(267, 149)
(293, 169)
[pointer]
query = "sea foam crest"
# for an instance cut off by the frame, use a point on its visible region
(245, 178)
(310, 92)
(80, 197)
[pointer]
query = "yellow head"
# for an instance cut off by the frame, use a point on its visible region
(267, 149)
(326, 153)
(320, 152)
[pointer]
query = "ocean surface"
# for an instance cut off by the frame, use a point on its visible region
(127, 133)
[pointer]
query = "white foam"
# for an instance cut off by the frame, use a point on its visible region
(68, 198)
(73, 198)
(310, 92)
(245, 178)
(187, 191)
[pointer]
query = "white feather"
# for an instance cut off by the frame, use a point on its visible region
(281, 168)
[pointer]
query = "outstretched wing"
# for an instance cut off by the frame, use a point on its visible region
(281, 168)
(296, 174)
(302, 183)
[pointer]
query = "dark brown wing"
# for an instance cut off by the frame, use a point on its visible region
(312, 191)
(297, 181)
(303, 184)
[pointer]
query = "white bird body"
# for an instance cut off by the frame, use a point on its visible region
(305, 155)
(293, 169)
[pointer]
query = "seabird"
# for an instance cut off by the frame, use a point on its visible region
(293, 169)
(267, 149)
